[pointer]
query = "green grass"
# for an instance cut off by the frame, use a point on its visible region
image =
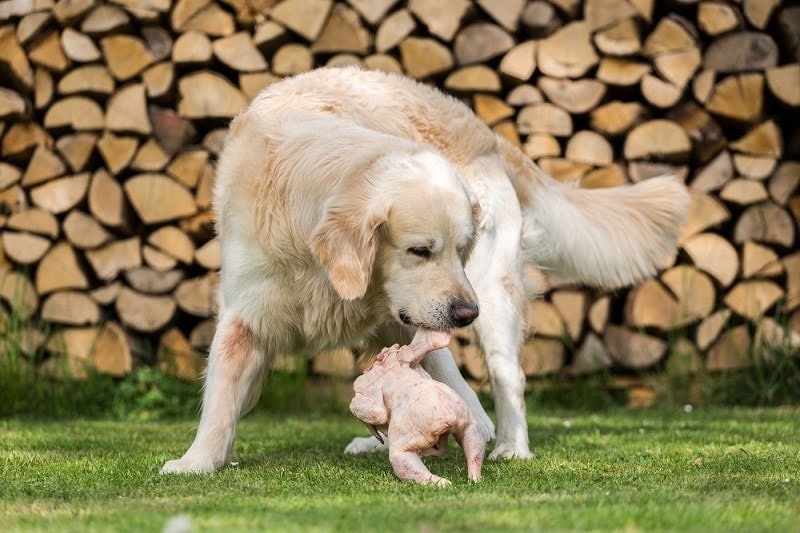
(615, 469)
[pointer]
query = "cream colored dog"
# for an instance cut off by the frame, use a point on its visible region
(354, 206)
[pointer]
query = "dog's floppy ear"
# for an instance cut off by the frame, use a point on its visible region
(344, 243)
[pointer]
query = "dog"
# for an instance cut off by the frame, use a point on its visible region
(356, 206)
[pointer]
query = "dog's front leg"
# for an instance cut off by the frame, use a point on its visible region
(235, 367)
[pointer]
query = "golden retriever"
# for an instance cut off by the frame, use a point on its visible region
(356, 206)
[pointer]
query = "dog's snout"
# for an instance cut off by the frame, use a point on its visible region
(462, 313)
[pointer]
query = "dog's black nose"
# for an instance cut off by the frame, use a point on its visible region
(462, 313)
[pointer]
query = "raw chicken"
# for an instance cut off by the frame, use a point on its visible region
(395, 397)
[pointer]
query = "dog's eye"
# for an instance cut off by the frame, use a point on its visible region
(420, 251)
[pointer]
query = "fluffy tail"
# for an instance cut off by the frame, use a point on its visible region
(605, 237)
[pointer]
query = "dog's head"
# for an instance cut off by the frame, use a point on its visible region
(403, 232)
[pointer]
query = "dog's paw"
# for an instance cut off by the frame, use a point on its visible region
(509, 451)
(188, 466)
(365, 445)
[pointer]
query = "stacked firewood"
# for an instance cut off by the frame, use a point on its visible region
(112, 113)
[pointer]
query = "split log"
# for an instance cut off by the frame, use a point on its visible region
(126, 110)
(106, 294)
(540, 145)
(598, 313)
(480, 42)
(616, 118)
(784, 84)
(592, 357)
(707, 136)
(104, 349)
(621, 39)
(117, 151)
(738, 97)
(196, 295)
(574, 96)
(71, 308)
(209, 256)
(79, 47)
(173, 242)
(763, 140)
(752, 299)
(760, 261)
(106, 200)
(791, 265)
(158, 260)
(589, 147)
(394, 29)
(24, 248)
(13, 58)
(710, 328)
(343, 32)
(150, 281)
(43, 88)
(43, 166)
(491, 109)
(621, 72)
(34, 220)
(239, 52)
(59, 270)
(744, 192)
(713, 254)
(715, 174)
(568, 53)
(633, 350)
(145, 313)
(571, 306)
(544, 118)
(544, 320)
(150, 157)
(76, 149)
(661, 94)
(673, 50)
(76, 112)
(292, 58)
(716, 17)
(62, 194)
(104, 19)
(46, 51)
(705, 212)
(304, 17)
(519, 62)
(83, 231)
(158, 80)
(441, 17)
(475, 78)
(177, 357)
(158, 198)
(115, 257)
(207, 94)
(423, 57)
(658, 139)
(192, 49)
(542, 357)
(784, 182)
(91, 79)
(765, 222)
(741, 52)
(731, 351)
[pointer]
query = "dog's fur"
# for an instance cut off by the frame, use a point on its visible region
(355, 206)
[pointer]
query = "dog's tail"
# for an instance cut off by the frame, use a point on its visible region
(608, 237)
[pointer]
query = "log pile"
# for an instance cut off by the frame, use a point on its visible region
(112, 114)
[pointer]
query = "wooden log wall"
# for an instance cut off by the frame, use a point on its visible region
(112, 113)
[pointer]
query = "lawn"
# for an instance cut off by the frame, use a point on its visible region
(612, 469)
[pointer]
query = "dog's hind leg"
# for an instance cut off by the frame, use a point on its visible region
(235, 369)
